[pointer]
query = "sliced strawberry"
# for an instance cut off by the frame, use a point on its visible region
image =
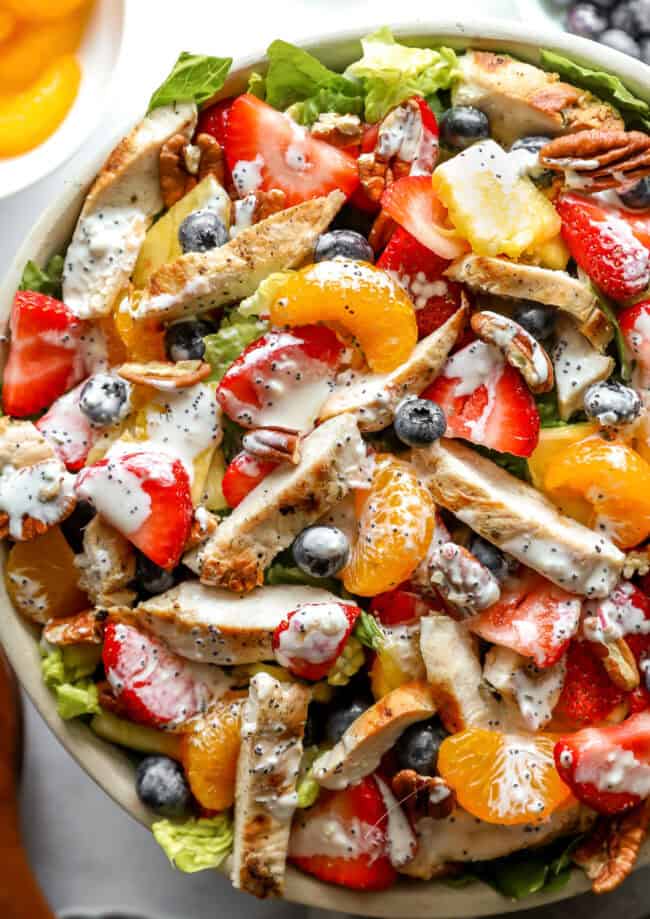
(44, 354)
(68, 429)
(635, 326)
(154, 685)
(399, 606)
(260, 388)
(486, 401)
(608, 769)
(310, 638)
(605, 245)
(244, 472)
(355, 847)
(214, 120)
(420, 272)
(588, 694)
(284, 154)
(533, 617)
(412, 203)
(147, 497)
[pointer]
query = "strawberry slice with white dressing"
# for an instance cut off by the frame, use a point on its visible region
(635, 326)
(413, 204)
(486, 401)
(155, 686)
(312, 636)
(533, 617)
(283, 379)
(68, 429)
(146, 497)
(608, 768)
(266, 149)
(244, 473)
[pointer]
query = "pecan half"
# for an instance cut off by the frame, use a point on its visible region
(609, 853)
(605, 159)
(619, 662)
(85, 628)
(461, 578)
(257, 206)
(423, 795)
(270, 444)
(182, 166)
(166, 374)
(212, 160)
(520, 349)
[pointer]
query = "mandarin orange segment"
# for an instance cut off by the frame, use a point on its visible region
(144, 341)
(615, 482)
(367, 302)
(43, 10)
(209, 753)
(31, 49)
(503, 778)
(395, 523)
(41, 578)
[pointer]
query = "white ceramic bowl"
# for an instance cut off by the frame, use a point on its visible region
(98, 54)
(107, 764)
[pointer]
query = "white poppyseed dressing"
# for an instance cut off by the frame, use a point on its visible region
(244, 212)
(512, 791)
(314, 634)
(117, 494)
(616, 234)
(42, 491)
(247, 175)
(329, 836)
(400, 838)
(614, 617)
(536, 692)
(182, 424)
(479, 364)
(94, 350)
(618, 771)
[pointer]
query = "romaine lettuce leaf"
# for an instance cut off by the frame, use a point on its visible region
(43, 280)
(65, 671)
(194, 78)
(283, 572)
(368, 632)
(195, 844)
(296, 78)
(603, 84)
(549, 412)
(391, 72)
(223, 347)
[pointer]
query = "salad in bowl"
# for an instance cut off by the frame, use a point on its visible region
(326, 468)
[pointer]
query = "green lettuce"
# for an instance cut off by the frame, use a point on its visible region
(307, 788)
(195, 844)
(65, 671)
(549, 412)
(609, 309)
(43, 280)
(235, 333)
(283, 572)
(603, 84)
(368, 631)
(296, 79)
(256, 85)
(515, 465)
(390, 72)
(194, 78)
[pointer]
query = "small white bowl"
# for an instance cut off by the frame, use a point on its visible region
(98, 54)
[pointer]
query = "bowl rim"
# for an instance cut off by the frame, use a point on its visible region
(109, 766)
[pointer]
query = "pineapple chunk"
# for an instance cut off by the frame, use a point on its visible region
(161, 243)
(551, 254)
(492, 205)
(212, 497)
(553, 441)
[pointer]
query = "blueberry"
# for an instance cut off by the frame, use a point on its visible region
(341, 717)
(160, 783)
(73, 526)
(184, 340)
(585, 19)
(151, 578)
(538, 320)
(347, 243)
(611, 403)
(637, 196)
(644, 45)
(490, 556)
(418, 746)
(621, 41)
(633, 17)
(419, 422)
(202, 231)
(104, 399)
(321, 551)
(462, 125)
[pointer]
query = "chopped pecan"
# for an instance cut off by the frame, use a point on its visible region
(166, 374)
(272, 444)
(607, 159)
(461, 578)
(518, 347)
(338, 130)
(609, 853)
(637, 562)
(381, 232)
(175, 180)
(85, 628)
(619, 662)
(372, 176)
(423, 795)
(268, 202)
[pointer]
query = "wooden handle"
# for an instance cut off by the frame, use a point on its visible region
(20, 895)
